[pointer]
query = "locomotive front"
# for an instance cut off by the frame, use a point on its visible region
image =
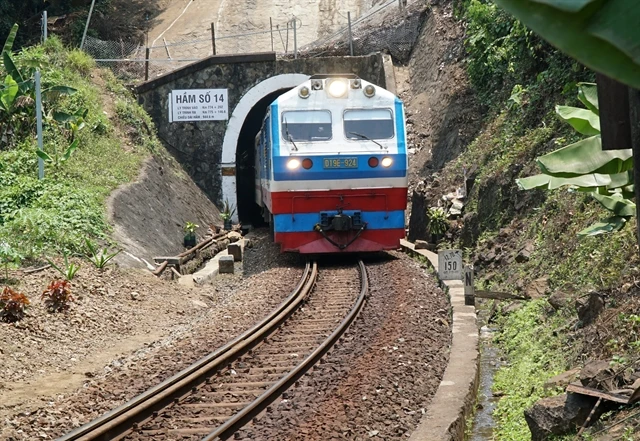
(331, 170)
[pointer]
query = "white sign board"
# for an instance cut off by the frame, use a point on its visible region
(450, 264)
(199, 105)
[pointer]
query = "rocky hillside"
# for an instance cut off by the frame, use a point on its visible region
(482, 109)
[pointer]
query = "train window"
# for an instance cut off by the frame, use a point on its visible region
(368, 124)
(306, 125)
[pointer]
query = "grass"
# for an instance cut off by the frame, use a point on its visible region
(56, 214)
(536, 350)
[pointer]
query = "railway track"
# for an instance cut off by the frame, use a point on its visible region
(219, 394)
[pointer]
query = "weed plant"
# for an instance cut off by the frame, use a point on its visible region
(57, 297)
(12, 305)
(99, 256)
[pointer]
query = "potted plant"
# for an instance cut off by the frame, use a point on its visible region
(438, 223)
(227, 212)
(190, 234)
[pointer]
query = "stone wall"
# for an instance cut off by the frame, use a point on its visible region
(198, 145)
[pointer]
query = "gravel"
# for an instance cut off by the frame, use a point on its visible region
(60, 371)
(380, 379)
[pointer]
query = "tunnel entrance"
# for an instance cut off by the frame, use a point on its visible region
(248, 210)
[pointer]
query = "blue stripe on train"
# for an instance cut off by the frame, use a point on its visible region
(301, 222)
(275, 130)
(318, 172)
(400, 130)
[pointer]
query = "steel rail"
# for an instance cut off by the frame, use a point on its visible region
(241, 418)
(121, 419)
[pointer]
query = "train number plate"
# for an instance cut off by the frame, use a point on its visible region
(340, 163)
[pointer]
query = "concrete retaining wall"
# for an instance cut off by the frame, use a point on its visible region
(454, 401)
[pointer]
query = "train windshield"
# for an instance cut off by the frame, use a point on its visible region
(306, 125)
(368, 124)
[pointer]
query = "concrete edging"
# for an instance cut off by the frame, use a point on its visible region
(210, 270)
(455, 398)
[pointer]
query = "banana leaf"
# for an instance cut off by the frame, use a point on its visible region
(585, 156)
(588, 95)
(608, 225)
(532, 182)
(11, 68)
(566, 5)
(587, 182)
(620, 180)
(617, 204)
(8, 43)
(601, 34)
(8, 93)
(583, 120)
(56, 91)
(584, 181)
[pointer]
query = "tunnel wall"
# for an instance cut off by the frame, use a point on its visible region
(207, 149)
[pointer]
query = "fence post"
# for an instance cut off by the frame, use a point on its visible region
(271, 26)
(39, 124)
(86, 26)
(44, 26)
(295, 39)
(146, 64)
(213, 37)
(349, 33)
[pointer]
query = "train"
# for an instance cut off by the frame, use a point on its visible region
(331, 167)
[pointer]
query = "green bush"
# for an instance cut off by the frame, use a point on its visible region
(503, 54)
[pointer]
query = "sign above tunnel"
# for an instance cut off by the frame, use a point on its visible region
(199, 105)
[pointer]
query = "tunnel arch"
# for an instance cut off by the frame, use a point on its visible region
(237, 120)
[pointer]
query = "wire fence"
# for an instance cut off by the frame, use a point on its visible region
(383, 28)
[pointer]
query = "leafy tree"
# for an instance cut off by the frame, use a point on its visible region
(584, 166)
(602, 34)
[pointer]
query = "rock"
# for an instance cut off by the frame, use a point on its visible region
(589, 308)
(562, 380)
(199, 303)
(525, 253)
(597, 374)
(421, 244)
(558, 415)
(234, 236)
(456, 208)
(559, 300)
(235, 250)
(135, 296)
(225, 265)
(538, 288)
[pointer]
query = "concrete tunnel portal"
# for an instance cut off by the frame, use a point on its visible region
(238, 185)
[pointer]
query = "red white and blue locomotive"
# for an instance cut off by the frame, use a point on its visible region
(331, 167)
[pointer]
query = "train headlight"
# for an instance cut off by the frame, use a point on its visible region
(373, 162)
(369, 91)
(293, 164)
(337, 88)
(304, 92)
(386, 161)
